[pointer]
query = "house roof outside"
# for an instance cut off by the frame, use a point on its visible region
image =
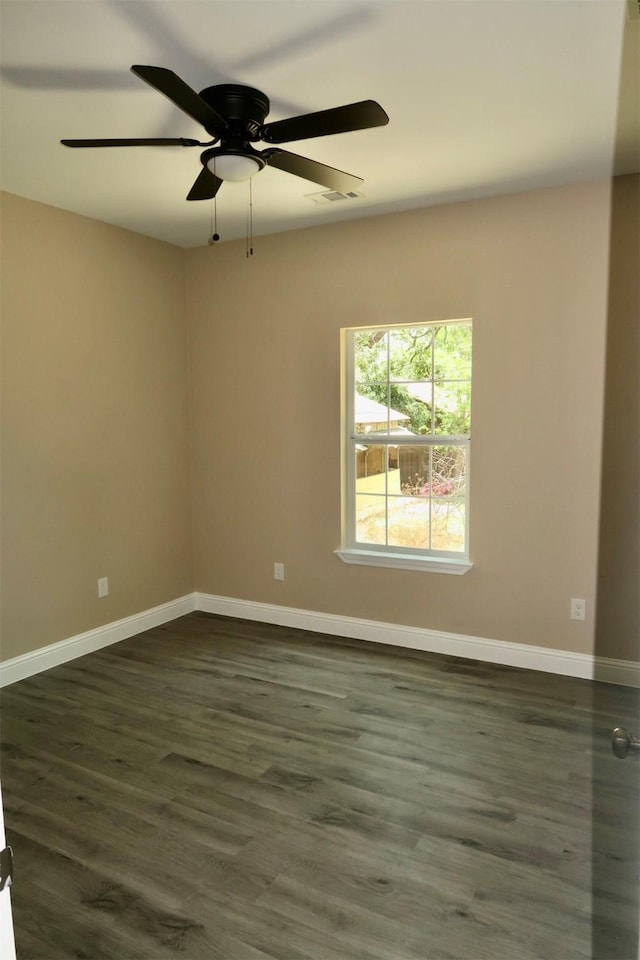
(370, 412)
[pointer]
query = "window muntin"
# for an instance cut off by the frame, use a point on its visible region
(408, 438)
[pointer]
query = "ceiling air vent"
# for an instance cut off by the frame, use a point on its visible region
(333, 196)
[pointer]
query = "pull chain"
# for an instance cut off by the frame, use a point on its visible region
(214, 236)
(250, 222)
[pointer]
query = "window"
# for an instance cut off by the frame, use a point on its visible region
(406, 445)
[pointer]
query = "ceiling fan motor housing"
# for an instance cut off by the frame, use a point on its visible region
(244, 109)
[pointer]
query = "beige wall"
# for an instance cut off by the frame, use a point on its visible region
(95, 421)
(531, 270)
(94, 424)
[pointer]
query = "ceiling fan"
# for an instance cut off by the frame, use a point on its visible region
(234, 116)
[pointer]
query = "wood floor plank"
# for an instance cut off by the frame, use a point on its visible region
(228, 790)
(86, 913)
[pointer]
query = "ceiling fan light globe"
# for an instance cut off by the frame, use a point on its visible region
(233, 166)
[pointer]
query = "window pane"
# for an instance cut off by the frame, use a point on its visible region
(432, 471)
(414, 399)
(452, 407)
(370, 355)
(414, 470)
(448, 472)
(447, 524)
(452, 352)
(409, 522)
(371, 524)
(373, 413)
(410, 353)
(371, 465)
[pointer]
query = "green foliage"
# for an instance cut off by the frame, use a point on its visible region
(423, 372)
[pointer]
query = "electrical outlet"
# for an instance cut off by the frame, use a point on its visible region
(103, 587)
(578, 609)
(278, 571)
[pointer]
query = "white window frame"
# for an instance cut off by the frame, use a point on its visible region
(406, 558)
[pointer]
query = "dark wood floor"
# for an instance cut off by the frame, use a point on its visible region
(235, 791)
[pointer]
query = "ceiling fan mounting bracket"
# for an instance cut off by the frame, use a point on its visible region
(244, 108)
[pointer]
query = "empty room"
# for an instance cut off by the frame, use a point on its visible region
(320, 533)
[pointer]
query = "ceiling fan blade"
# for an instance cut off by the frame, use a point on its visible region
(352, 116)
(312, 170)
(180, 93)
(206, 186)
(157, 142)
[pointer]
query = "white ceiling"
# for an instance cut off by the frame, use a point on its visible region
(484, 97)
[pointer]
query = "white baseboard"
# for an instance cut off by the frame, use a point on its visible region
(562, 662)
(56, 653)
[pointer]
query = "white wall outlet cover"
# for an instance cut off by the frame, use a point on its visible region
(578, 609)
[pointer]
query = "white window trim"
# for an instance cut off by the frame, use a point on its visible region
(353, 552)
(404, 561)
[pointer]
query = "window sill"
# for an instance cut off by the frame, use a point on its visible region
(405, 561)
